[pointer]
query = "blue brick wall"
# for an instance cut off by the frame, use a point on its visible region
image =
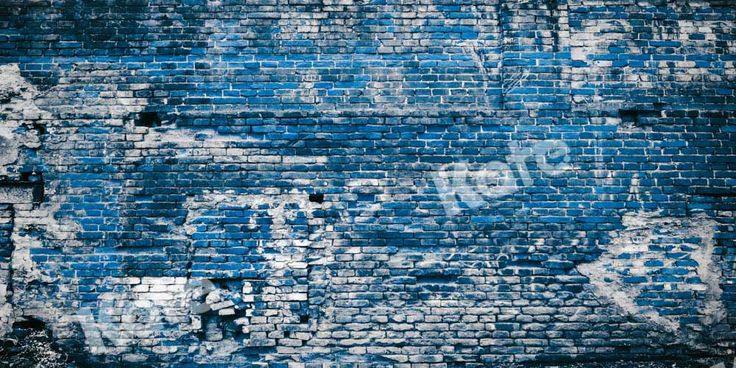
(474, 183)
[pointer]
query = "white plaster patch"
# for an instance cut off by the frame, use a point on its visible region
(20, 112)
(648, 244)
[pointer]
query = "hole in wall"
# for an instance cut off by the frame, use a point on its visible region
(435, 278)
(639, 117)
(629, 117)
(148, 119)
(31, 344)
(40, 129)
(30, 323)
(34, 179)
(317, 197)
(31, 176)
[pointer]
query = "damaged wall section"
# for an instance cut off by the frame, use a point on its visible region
(664, 271)
(254, 182)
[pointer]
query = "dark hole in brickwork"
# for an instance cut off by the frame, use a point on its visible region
(28, 179)
(712, 191)
(304, 318)
(30, 323)
(39, 128)
(317, 197)
(36, 180)
(638, 117)
(149, 119)
(6, 229)
(30, 344)
(628, 116)
(435, 279)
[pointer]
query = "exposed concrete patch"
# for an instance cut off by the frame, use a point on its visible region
(18, 114)
(709, 272)
(635, 261)
(17, 94)
(21, 124)
(35, 227)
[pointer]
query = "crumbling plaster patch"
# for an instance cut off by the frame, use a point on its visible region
(288, 254)
(25, 115)
(21, 119)
(634, 250)
(18, 114)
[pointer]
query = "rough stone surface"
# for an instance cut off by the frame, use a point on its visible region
(367, 183)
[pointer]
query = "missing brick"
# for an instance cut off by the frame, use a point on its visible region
(148, 119)
(40, 129)
(434, 278)
(639, 117)
(35, 180)
(317, 197)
